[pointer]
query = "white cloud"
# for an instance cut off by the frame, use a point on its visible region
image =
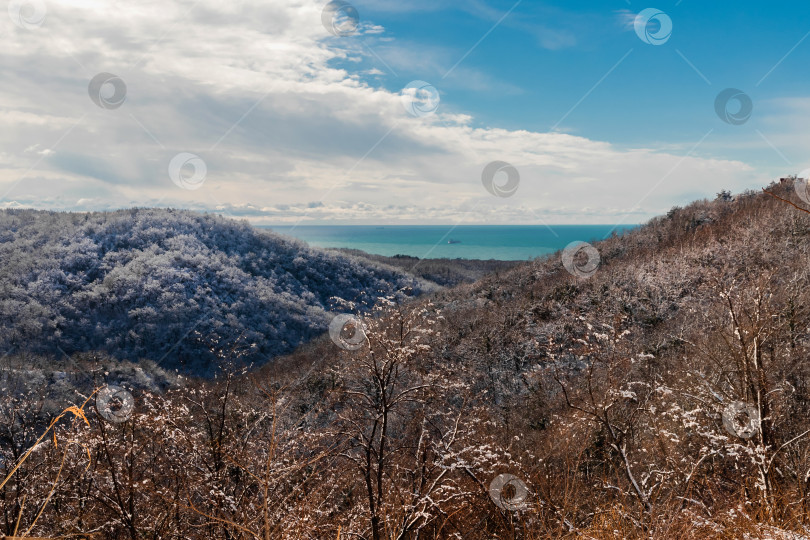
(253, 89)
(627, 19)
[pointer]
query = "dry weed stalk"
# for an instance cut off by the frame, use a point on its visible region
(77, 412)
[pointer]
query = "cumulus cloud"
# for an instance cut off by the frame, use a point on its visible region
(288, 130)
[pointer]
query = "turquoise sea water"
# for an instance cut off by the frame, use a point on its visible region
(503, 242)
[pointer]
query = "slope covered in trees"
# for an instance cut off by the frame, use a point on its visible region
(171, 286)
(665, 396)
(444, 272)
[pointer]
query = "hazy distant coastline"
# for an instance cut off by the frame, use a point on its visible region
(481, 242)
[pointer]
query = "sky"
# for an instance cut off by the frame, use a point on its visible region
(394, 112)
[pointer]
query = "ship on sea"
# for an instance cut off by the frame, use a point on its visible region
(451, 241)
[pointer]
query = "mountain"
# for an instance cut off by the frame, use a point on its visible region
(666, 394)
(653, 386)
(179, 288)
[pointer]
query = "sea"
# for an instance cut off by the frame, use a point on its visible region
(500, 242)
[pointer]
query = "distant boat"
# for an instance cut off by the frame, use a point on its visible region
(451, 241)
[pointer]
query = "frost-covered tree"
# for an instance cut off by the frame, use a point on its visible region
(137, 283)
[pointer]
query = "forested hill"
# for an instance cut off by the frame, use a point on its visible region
(176, 287)
(639, 400)
(661, 394)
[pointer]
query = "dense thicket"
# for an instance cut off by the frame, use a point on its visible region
(664, 397)
(172, 286)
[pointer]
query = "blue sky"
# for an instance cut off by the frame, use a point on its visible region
(277, 120)
(545, 56)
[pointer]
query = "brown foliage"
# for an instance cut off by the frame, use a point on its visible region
(608, 398)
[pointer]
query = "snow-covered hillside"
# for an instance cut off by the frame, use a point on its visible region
(177, 287)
